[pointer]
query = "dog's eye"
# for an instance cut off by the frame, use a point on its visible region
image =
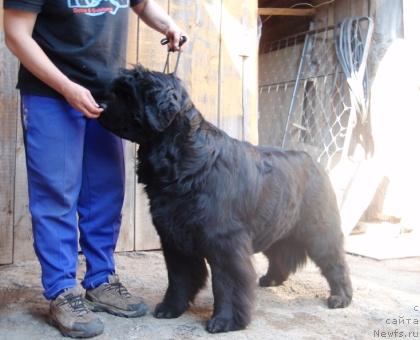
(174, 96)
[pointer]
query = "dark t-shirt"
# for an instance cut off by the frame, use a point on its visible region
(85, 39)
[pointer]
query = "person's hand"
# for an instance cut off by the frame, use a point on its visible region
(81, 99)
(174, 36)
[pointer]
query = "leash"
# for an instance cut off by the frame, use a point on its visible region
(165, 41)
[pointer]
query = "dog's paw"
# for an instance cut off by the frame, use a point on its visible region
(338, 301)
(268, 281)
(163, 311)
(218, 324)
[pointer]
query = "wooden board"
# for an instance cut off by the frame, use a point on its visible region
(146, 237)
(359, 8)
(151, 55)
(250, 73)
(23, 238)
(238, 70)
(287, 11)
(199, 61)
(384, 241)
(231, 69)
(342, 9)
(127, 232)
(324, 16)
(8, 118)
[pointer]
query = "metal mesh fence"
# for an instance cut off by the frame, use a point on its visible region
(305, 101)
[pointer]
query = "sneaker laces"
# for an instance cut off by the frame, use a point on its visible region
(119, 289)
(76, 303)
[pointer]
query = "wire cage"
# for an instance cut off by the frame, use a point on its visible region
(307, 90)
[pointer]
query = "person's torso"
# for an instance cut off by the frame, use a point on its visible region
(85, 39)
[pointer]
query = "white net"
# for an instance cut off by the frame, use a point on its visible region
(305, 99)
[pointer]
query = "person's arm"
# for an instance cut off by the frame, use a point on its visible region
(155, 17)
(18, 27)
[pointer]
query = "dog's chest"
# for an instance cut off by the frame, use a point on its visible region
(178, 221)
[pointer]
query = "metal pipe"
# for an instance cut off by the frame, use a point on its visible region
(295, 88)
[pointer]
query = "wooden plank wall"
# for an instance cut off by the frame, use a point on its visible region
(219, 73)
(127, 232)
(8, 118)
(340, 9)
(152, 55)
(238, 57)
(220, 78)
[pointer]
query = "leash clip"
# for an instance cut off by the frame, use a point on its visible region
(165, 41)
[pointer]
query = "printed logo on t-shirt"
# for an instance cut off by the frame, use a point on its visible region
(97, 7)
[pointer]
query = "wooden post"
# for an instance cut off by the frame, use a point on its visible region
(296, 12)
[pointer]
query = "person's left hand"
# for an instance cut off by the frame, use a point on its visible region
(174, 36)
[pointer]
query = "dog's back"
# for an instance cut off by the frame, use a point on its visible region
(285, 192)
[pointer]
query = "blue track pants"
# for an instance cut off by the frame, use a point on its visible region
(76, 183)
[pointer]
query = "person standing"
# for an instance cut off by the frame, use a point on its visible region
(69, 51)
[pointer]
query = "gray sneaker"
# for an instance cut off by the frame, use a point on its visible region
(112, 297)
(70, 315)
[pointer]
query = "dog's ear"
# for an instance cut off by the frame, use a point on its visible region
(162, 104)
(125, 86)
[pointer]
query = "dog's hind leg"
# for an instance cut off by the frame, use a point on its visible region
(326, 250)
(186, 276)
(233, 279)
(284, 258)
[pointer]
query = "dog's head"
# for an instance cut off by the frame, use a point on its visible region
(143, 103)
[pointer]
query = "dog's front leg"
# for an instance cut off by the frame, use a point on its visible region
(186, 276)
(233, 279)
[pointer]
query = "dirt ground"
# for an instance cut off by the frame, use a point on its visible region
(386, 304)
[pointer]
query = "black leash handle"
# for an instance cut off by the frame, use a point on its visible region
(165, 41)
(182, 41)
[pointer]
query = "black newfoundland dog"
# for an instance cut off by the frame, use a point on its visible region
(216, 199)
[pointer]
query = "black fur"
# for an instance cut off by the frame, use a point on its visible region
(215, 198)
